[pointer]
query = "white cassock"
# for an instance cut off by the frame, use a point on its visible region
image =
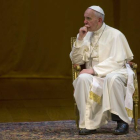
(111, 91)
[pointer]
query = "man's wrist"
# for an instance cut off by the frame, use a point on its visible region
(80, 38)
(78, 43)
(95, 73)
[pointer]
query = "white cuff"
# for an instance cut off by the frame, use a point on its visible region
(78, 43)
(95, 73)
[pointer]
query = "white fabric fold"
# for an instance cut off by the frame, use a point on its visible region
(130, 88)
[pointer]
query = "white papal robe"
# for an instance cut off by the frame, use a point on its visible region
(111, 91)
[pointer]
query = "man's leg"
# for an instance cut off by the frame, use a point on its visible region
(117, 95)
(117, 119)
(81, 93)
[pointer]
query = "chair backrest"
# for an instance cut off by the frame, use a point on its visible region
(73, 39)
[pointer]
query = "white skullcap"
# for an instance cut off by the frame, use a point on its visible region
(98, 9)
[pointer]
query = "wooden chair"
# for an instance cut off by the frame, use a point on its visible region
(78, 68)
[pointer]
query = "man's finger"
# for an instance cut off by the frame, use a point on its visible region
(87, 26)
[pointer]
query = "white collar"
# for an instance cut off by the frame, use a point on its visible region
(100, 30)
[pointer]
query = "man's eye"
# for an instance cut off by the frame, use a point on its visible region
(88, 18)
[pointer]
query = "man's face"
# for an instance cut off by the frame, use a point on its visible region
(91, 20)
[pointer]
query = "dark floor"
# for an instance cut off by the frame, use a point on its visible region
(61, 130)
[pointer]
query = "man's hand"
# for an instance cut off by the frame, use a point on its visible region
(89, 71)
(82, 32)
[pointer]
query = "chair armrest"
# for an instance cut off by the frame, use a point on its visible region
(77, 67)
(76, 70)
(133, 65)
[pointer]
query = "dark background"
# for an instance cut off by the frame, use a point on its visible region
(35, 68)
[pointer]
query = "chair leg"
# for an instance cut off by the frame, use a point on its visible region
(76, 115)
(135, 115)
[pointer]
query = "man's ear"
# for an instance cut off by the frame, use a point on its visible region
(100, 20)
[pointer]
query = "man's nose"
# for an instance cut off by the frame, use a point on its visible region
(85, 21)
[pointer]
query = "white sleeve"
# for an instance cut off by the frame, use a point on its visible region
(76, 54)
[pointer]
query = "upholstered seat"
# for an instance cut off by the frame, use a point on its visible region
(75, 72)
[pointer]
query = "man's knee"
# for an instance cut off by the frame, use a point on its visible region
(116, 79)
(109, 77)
(84, 77)
(117, 84)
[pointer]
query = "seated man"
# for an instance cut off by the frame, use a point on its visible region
(103, 91)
